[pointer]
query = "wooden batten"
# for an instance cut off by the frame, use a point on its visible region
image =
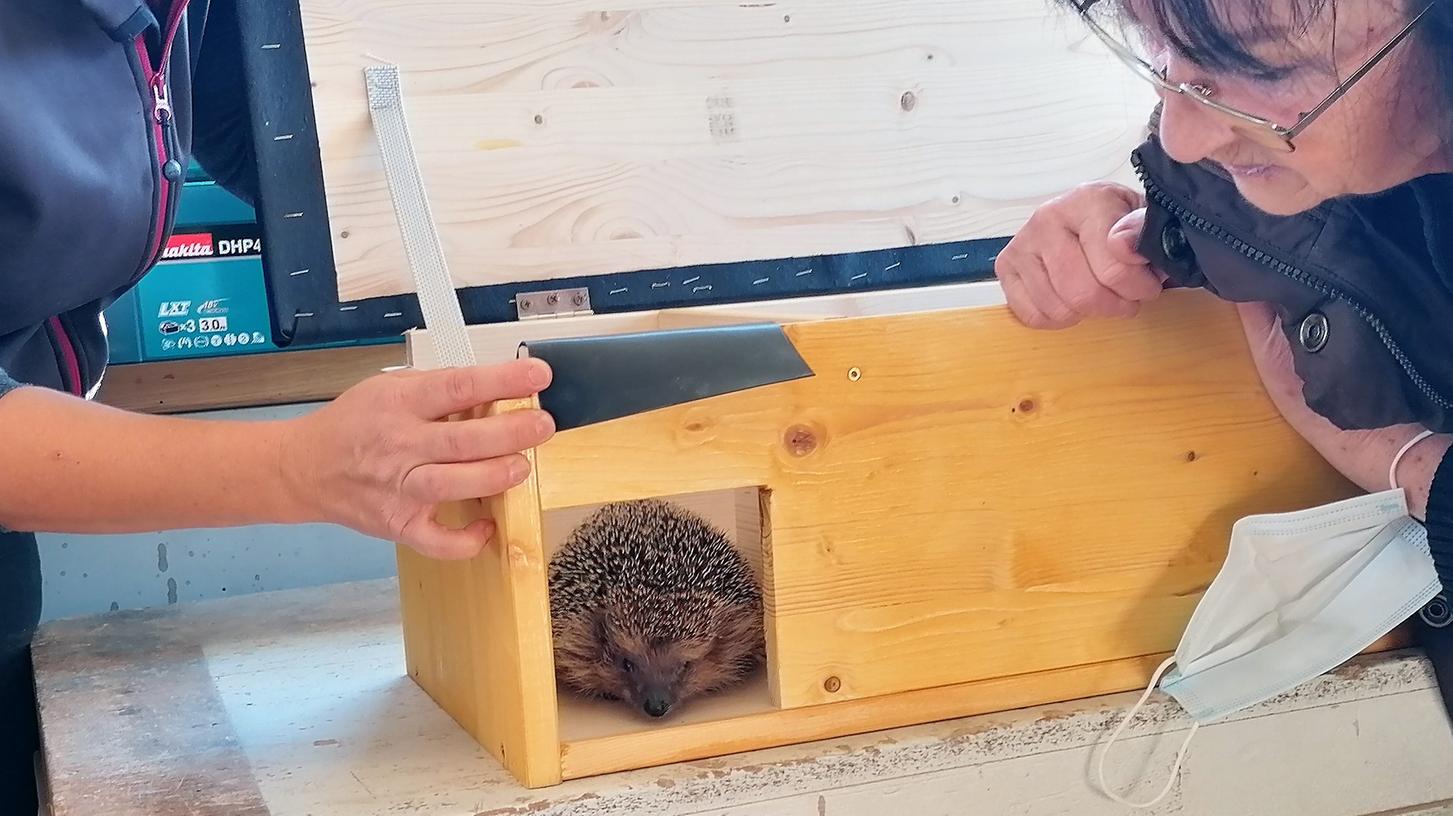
(477, 632)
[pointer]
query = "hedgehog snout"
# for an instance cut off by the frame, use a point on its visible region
(656, 702)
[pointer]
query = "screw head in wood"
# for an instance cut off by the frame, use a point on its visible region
(832, 684)
(855, 374)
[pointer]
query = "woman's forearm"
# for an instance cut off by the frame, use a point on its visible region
(71, 466)
(1363, 456)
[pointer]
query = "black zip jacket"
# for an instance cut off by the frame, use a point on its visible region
(1363, 286)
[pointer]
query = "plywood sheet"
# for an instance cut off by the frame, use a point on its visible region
(564, 138)
(954, 497)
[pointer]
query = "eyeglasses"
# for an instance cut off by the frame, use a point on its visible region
(1263, 131)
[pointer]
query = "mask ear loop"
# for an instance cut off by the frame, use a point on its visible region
(1392, 470)
(1180, 757)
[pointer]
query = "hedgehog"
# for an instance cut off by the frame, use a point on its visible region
(651, 606)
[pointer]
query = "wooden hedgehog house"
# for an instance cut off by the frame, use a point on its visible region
(951, 513)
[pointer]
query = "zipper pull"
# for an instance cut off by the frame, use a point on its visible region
(171, 169)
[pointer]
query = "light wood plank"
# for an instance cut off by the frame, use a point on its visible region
(985, 500)
(244, 381)
(558, 142)
(477, 633)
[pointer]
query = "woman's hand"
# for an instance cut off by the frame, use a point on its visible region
(1363, 456)
(377, 459)
(1075, 258)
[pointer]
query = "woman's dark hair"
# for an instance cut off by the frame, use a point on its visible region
(1199, 30)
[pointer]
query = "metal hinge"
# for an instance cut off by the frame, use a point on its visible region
(552, 303)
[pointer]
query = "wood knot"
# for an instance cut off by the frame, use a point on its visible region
(1026, 406)
(832, 684)
(1190, 456)
(908, 100)
(344, 234)
(800, 440)
(539, 120)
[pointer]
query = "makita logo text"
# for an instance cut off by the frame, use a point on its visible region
(189, 246)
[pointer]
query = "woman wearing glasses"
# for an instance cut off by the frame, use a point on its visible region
(1298, 165)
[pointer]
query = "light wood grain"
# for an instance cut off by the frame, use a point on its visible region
(986, 500)
(565, 140)
(244, 381)
(477, 633)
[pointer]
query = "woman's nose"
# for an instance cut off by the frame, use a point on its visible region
(1191, 132)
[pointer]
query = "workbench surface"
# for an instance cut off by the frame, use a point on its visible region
(296, 703)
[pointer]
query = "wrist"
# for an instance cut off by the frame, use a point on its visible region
(296, 497)
(1416, 470)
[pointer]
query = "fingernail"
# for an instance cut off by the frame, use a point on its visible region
(519, 469)
(539, 374)
(544, 424)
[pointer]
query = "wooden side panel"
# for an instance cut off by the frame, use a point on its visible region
(562, 138)
(955, 497)
(477, 632)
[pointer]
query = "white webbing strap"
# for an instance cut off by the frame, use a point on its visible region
(437, 298)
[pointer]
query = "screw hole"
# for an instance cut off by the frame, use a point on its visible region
(855, 374)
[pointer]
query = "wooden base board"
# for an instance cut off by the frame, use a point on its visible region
(599, 738)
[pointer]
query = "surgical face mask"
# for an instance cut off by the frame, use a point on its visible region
(1298, 595)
